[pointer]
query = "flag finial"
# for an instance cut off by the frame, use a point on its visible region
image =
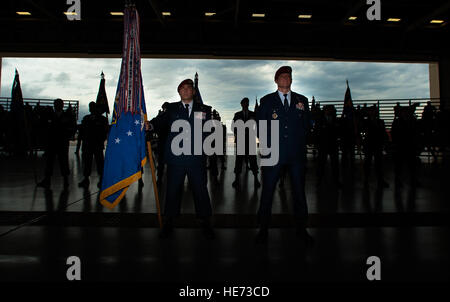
(196, 80)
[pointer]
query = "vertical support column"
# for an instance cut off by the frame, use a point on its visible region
(434, 80)
(1, 75)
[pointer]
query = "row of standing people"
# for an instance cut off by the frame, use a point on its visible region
(433, 127)
(289, 108)
(94, 127)
(92, 133)
(30, 128)
(364, 129)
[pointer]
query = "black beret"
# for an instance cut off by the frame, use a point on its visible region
(184, 82)
(245, 100)
(283, 69)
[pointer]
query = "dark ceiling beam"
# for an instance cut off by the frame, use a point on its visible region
(442, 9)
(157, 11)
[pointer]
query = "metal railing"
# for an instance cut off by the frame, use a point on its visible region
(6, 103)
(386, 112)
(386, 106)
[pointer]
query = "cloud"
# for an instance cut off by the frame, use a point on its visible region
(223, 83)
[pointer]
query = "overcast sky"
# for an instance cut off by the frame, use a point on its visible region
(222, 83)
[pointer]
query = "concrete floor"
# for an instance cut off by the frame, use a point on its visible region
(411, 254)
(19, 193)
(407, 228)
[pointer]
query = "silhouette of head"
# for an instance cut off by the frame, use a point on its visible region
(58, 104)
(92, 107)
(244, 103)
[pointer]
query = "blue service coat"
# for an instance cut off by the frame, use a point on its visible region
(294, 125)
(177, 111)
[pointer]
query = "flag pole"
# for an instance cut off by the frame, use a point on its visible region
(30, 147)
(26, 128)
(155, 187)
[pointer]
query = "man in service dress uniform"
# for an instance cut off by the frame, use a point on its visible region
(192, 165)
(245, 115)
(291, 110)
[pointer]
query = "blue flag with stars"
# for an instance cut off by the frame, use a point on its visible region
(126, 149)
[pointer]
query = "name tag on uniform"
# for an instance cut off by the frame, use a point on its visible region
(200, 115)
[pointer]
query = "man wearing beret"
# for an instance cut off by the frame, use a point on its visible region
(291, 110)
(190, 165)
